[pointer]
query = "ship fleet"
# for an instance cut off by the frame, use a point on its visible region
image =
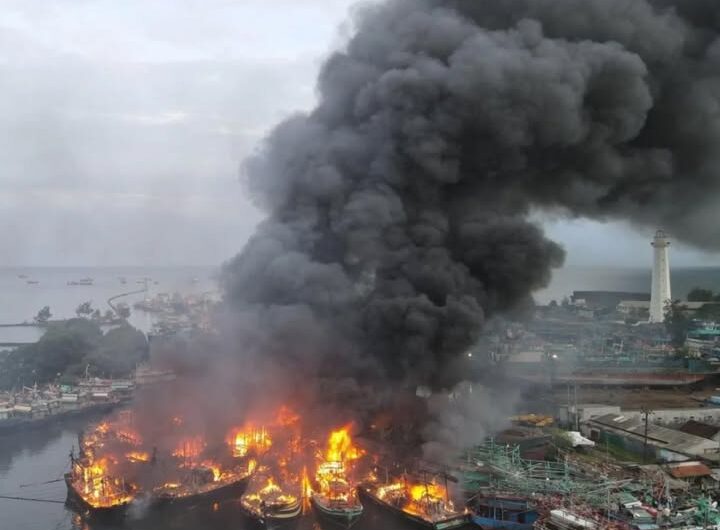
(273, 474)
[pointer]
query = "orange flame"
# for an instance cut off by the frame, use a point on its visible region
(138, 456)
(215, 468)
(248, 439)
(93, 483)
(340, 447)
(189, 447)
(331, 473)
(419, 492)
(286, 417)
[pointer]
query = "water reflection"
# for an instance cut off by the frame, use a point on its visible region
(36, 441)
(226, 516)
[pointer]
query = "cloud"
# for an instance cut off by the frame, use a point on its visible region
(126, 122)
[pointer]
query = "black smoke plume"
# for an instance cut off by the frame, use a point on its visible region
(398, 209)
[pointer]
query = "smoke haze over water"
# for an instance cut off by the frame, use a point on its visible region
(398, 209)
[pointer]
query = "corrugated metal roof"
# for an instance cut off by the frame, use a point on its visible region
(659, 436)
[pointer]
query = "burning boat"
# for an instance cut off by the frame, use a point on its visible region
(336, 500)
(422, 505)
(195, 478)
(93, 491)
(271, 504)
(203, 483)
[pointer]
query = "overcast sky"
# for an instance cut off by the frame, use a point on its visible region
(124, 124)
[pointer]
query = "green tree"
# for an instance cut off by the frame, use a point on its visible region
(119, 351)
(698, 294)
(61, 348)
(84, 310)
(43, 315)
(676, 322)
(68, 347)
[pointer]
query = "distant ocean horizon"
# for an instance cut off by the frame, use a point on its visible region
(631, 279)
(20, 300)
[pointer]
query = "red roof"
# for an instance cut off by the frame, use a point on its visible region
(689, 470)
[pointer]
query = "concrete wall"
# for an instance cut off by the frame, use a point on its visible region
(585, 412)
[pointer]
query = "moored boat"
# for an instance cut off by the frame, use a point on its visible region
(92, 491)
(420, 506)
(505, 512)
(200, 486)
(270, 505)
(342, 511)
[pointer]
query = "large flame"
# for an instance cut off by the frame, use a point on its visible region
(420, 492)
(189, 447)
(332, 471)
(340, 447)
(92, 481)
(427, 500)
(250, 439)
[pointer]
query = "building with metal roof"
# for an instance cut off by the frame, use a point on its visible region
(663, 443)
(698, 428)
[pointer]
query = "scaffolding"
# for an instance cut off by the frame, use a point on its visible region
(499, 467)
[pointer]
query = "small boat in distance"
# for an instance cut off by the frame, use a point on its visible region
(32, 282)
(81, 281)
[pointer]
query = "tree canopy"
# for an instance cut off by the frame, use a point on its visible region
(68, 347)
(698, 294)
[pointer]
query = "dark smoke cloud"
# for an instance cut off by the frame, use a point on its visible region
(398, 208)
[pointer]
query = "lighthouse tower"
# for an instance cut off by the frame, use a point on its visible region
(660, 293)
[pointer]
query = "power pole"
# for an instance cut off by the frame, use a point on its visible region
(646, 412)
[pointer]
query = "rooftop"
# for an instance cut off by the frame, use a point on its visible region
(689, 470)
(658, 436)
(699, 428)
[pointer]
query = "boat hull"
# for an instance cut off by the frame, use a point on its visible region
(487, 523)
(284, 520)
(227, 491)
(409, 519)
(77, 503)
(336, 517)
(503, 512)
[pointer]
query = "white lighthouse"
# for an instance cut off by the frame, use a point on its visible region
(660, 293)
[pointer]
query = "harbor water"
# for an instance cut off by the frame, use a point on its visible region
(32, 464)
(22, 297)
(20, 301)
